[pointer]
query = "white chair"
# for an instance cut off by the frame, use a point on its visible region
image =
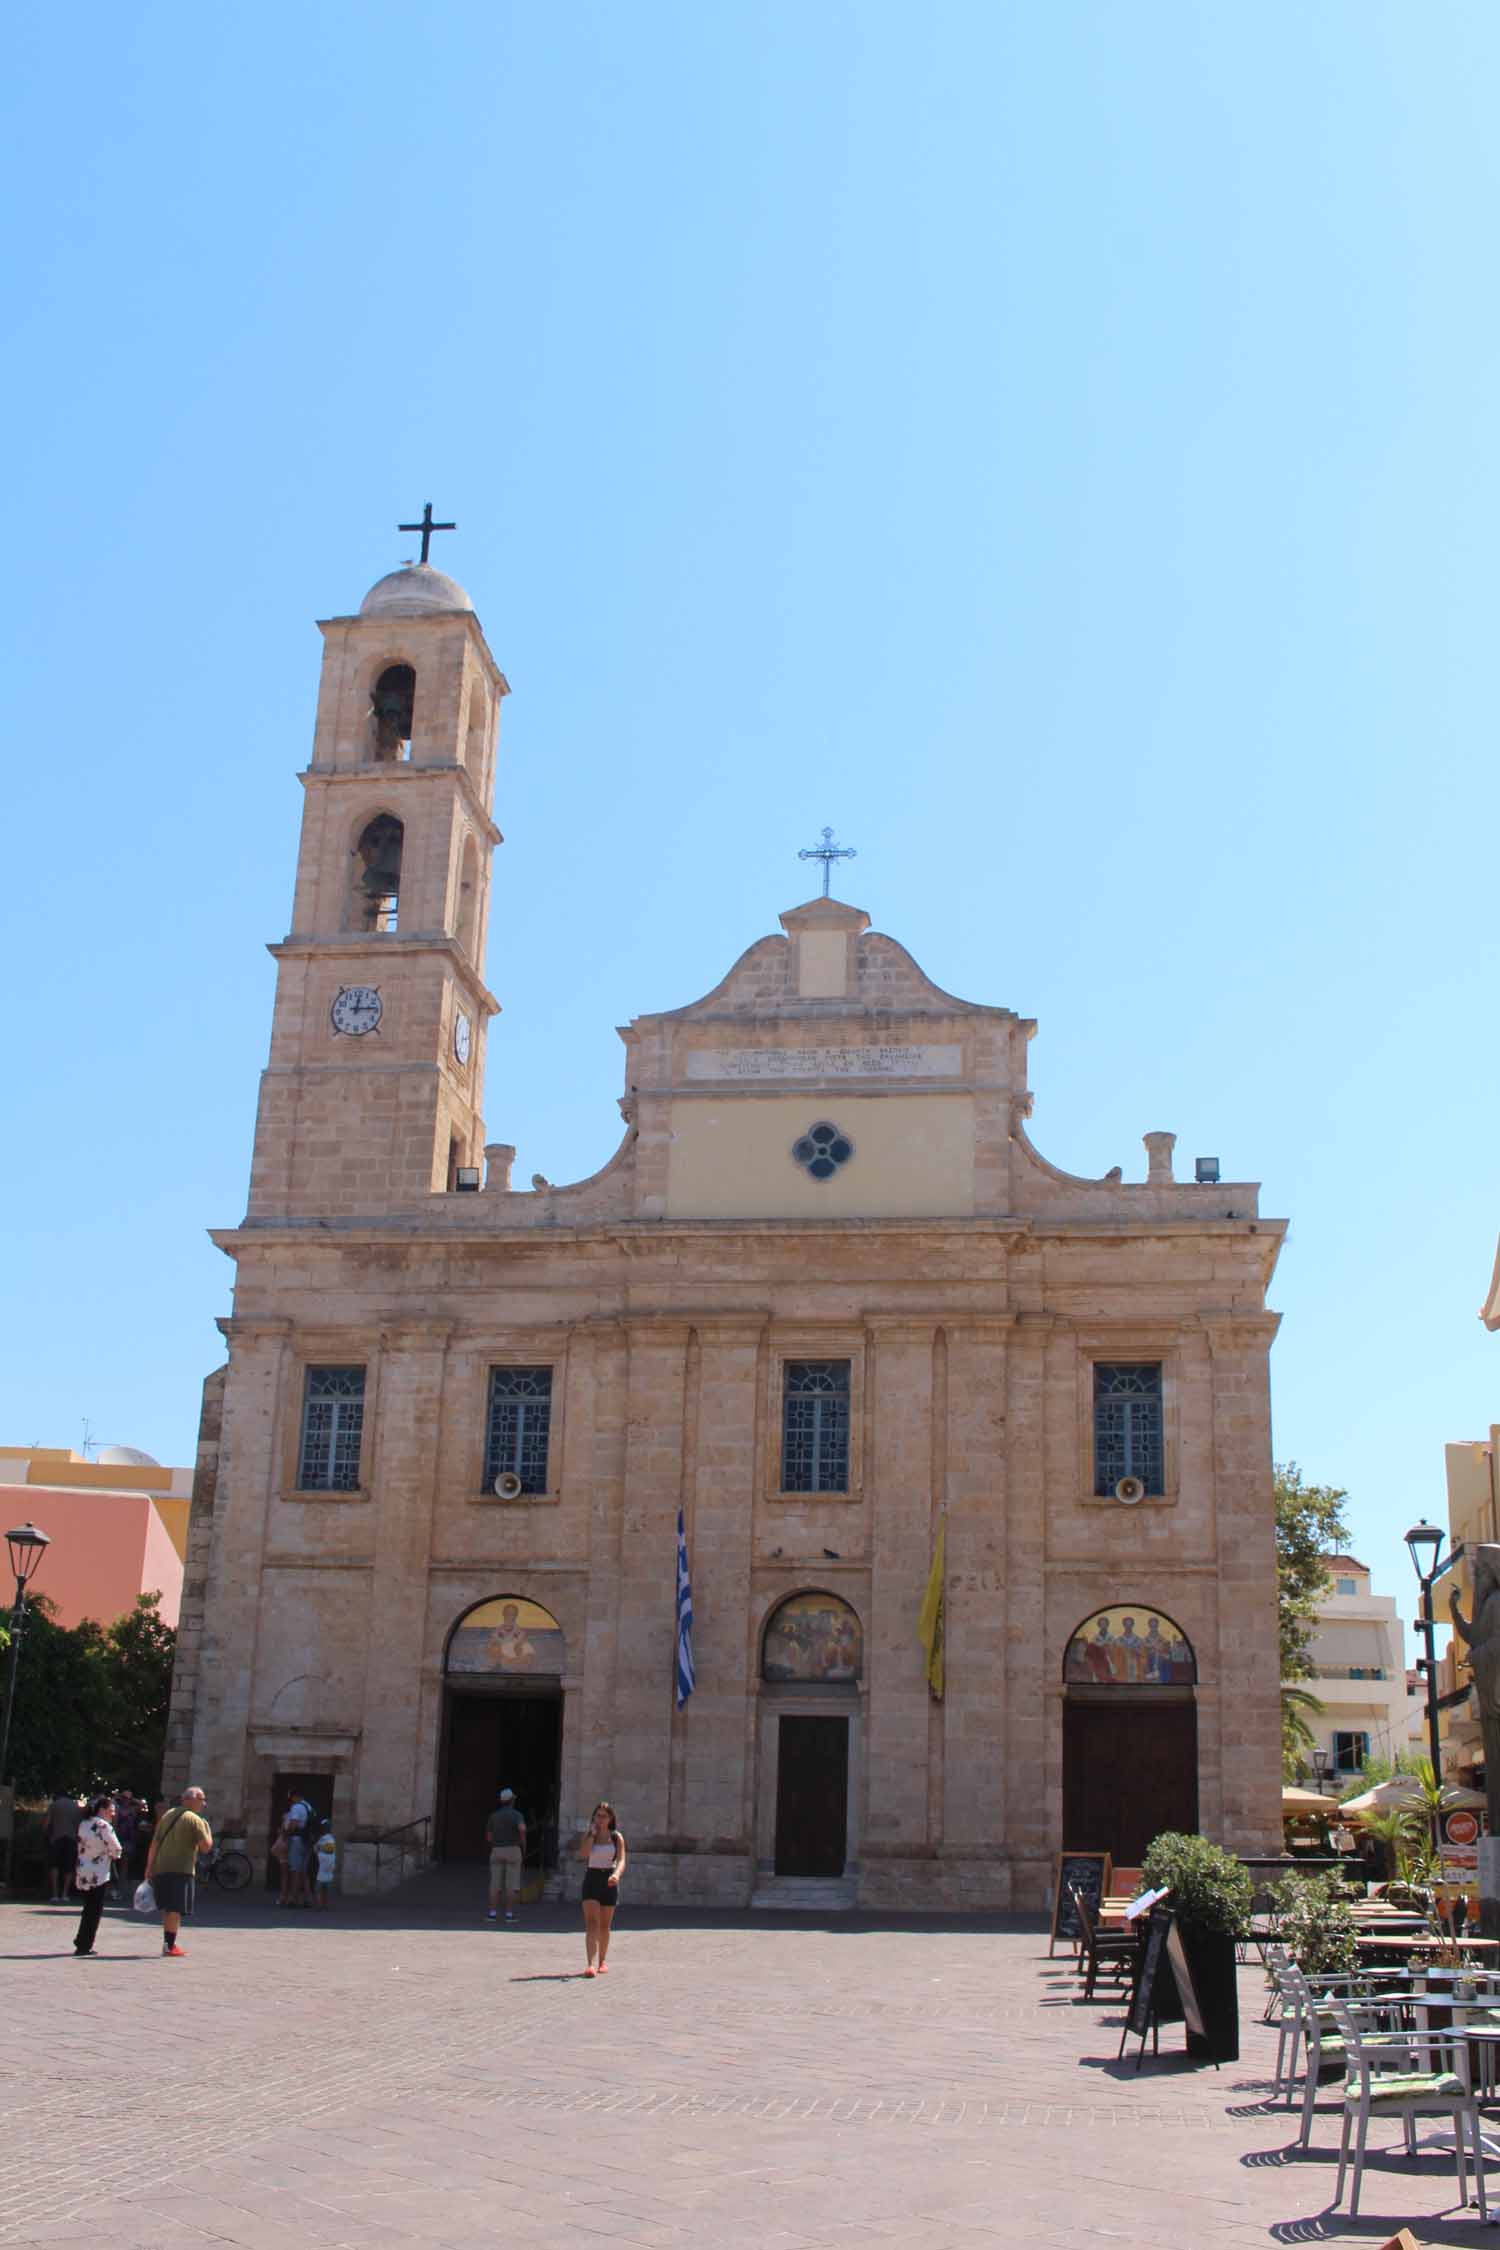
(1435, 2090)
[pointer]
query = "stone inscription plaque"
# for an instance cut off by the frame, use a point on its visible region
(826, 1062)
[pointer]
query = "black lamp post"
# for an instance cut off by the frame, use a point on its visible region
(27, 1547)
(1425, 1541)
(1320, 1767)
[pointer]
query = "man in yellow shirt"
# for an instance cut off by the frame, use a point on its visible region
(181, 1834)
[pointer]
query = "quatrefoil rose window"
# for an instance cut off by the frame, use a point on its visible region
(823, 1150)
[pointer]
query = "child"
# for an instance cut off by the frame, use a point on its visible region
(326, 1853)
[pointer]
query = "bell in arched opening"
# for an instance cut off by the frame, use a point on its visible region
(378, 873)
(391, 705)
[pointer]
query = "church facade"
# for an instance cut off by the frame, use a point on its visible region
(827, 1301)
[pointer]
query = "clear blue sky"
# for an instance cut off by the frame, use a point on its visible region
(1056, 445)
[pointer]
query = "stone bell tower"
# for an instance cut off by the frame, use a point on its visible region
(372, 1097)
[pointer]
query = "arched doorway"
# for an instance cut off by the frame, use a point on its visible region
(812, 1659)
(1130, 1732)
(502, 1725)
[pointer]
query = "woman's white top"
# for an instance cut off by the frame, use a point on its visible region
(602, 1855)
(97, 1846)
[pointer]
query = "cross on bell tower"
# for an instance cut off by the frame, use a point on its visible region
(427, 527)
(828, 851)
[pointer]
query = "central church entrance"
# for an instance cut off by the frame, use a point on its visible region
(502, 1728)
(1130, 1734)
(811, 1660)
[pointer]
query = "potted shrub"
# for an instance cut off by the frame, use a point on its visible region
(1315, 1925)
(1211, 1894)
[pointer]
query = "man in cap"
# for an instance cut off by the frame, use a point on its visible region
(505, 1833)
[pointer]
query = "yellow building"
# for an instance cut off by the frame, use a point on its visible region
(1473, 1517)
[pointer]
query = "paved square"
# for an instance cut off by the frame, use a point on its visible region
(405, 2075)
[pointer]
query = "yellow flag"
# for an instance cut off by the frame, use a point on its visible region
(931, 1619)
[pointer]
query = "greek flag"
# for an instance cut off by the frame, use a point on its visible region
(685, 1674)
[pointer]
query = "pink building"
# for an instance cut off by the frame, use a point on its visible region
(107, 1548)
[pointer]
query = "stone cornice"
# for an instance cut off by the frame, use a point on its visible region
(359, 945)
(416, 1334)
(234, 1330)
(1239, 1331)
(380, 774)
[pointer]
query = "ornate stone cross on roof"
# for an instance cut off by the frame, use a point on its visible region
(828, 851)
(427, 527)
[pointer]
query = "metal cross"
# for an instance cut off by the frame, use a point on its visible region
(427, 527)
(828, 851)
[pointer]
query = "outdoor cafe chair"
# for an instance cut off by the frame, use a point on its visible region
(1435, 2090)
(1106, 1953)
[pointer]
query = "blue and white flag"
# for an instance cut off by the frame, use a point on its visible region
(685, 1675)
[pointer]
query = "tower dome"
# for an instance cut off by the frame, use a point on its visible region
(415, 590)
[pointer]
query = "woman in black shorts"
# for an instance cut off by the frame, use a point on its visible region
(602, 1848)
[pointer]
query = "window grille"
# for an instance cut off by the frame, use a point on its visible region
(815, 1426)
(519, 1426)
(333, 1417)
(1128, 1426)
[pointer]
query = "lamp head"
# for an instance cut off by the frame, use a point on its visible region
(27, 1546)
(1424, 1540)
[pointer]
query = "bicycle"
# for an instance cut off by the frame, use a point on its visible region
(227, 1866)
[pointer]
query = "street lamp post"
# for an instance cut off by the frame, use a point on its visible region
(27, 1547)
(1424, 1546)
(1320, 1768)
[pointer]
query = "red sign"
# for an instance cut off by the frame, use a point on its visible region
(1460, 1828)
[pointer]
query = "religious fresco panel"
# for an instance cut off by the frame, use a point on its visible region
(813, 1637)
(508, 1635)
(1131, 1647)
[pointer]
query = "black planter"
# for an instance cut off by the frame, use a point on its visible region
(1210, 1958)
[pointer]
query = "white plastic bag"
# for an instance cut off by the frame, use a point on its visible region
(144, 1900)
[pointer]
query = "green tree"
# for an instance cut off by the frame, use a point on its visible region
(1310, 1523)
(91, 1701)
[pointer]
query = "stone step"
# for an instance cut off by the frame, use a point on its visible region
(794, 1894)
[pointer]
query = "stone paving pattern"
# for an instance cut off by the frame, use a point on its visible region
(406, 2075)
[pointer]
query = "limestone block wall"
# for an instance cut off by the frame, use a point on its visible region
(325, 1617)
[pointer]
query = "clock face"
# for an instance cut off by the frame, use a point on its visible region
(356, 1010)
(461, 1036)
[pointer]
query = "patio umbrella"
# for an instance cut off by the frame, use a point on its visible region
(1403, 1793)
(1295, 1801)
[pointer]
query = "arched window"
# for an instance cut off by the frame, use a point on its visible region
(391, 702)
(377, 875)
(1131, 1645)
(479, 727)
(813, 1637)
(508, 1635)
(468, 898)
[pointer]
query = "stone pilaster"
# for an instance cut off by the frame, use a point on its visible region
(648, 1575)
(975, 1705)
(713, 1734)
(402, 1475)
(246, 1492)
(1033, 1733)
(898, 1474)
(1249, 1652)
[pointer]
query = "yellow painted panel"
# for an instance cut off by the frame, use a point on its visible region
(732, 1159)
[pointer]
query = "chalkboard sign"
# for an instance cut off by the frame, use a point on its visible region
(1086, 1872)
(1143, 2015)
(1191, 2007)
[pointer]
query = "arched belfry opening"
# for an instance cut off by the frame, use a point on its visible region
(376, 881)
(1130, 1731)
(479, 727)
(392, 700)
(503, 1673)
(468, 898)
